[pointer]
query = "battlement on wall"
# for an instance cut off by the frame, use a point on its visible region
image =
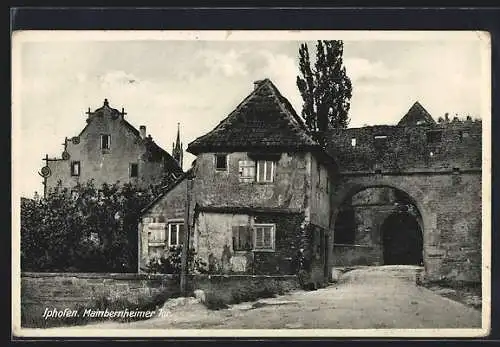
(445, 145)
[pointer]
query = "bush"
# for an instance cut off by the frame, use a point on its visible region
(82, 230)
(171, 263)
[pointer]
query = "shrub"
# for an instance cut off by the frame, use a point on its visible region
(83, 230)
(171, 263)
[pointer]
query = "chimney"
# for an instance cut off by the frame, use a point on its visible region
(142, 130)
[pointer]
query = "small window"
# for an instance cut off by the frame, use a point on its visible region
(464, 135)
(264, 237)
(75, 168)
(380, 141)
(105, 141)
(134, 170)
(175, 234)
(156, 233)
(265, 171)
(246, 170)
(242, 238)
(434, 136)
(221, 162)
(353, 142)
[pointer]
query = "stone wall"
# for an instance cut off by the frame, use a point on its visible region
(80, 291)
(450, 205)
(408, 148)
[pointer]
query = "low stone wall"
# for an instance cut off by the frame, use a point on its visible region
(353, 255)
(81, 291)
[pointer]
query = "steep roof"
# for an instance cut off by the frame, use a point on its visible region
(167, 189)
(264, 119)
(416, 115)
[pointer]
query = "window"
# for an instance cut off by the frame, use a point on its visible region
(353, 142)
(175, 234)
(221, 162)
(246, 170)
(134, 170)
(264, 237)
(156, 233)
(105, 141)
(265, 171)
(242, 238)
(380, 141)
(464, 135)
(75, 168)
(433, 136)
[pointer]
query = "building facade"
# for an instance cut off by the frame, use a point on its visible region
(109, 150)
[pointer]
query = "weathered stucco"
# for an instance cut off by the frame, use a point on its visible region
(169, 208)
(320, 197)
(223, 188)
(109, 165)
(214, 244)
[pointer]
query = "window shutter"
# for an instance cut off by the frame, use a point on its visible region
(235, 238)
(246, 170)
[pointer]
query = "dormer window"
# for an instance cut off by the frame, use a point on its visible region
(105, 141)
(353, 142)
(221, 162)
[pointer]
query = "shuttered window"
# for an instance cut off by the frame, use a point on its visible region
(246, 170)
(242, 238)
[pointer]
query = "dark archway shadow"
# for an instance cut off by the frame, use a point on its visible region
(402, 239)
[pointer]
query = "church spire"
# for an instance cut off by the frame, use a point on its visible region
(177, 147)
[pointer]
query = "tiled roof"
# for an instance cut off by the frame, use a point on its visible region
(264, 119)
(416, 115)
(167, 189)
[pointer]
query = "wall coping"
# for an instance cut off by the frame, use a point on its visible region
(118, 276)
(144, 276)
(445, 171)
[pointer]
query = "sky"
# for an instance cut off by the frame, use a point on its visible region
(198, 82)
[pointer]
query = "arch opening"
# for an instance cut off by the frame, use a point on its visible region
(402, 240)
(378, 225)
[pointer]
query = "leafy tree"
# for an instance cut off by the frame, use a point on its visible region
(85, 229)
(326, 89)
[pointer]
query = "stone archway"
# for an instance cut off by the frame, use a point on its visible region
(402, 240)
(373, 243)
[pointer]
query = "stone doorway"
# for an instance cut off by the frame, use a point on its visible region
(402, 240)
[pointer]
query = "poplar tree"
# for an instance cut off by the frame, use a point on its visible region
(325, 88)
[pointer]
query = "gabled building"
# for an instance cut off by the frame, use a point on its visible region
(109, 150)
(260, 190)
(264, 198)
